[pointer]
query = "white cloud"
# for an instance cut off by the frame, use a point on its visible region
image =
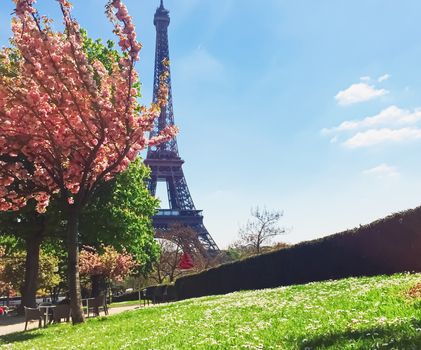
(382, 170)
(383, 78)
(357, 93)
(392, 115)
(374, 137)
(365, 78)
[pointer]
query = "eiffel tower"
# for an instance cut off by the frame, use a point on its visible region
(164, 159)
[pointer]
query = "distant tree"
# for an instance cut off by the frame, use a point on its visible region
(4, 285)
(9, 242)
(25, 230)
(166, 268)
(279, 246)
(259, 231)
(106, 266)
(14, 271)
(233, 253)
(176, 243)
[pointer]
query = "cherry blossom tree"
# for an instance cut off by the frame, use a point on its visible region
(111, 265)
(67, 122)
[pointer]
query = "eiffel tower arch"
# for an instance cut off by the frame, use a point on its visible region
(164, 160)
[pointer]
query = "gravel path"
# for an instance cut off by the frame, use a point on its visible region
(15, 324)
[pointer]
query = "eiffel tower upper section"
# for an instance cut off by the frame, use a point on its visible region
(164, 159)
(168, 149)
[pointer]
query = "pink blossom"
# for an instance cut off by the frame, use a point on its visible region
(72, 130)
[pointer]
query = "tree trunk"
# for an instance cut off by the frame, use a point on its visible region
(73, 266)
(55, 292)
(98, 285)
(30, 286)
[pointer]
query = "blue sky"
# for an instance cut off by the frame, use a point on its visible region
(310, 107)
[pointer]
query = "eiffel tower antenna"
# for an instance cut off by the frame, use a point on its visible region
(164, 159)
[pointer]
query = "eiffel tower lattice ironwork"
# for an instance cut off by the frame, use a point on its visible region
(164, 159)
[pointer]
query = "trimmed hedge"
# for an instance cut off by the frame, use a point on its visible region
(386, 246)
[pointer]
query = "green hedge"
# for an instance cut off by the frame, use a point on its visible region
(386, 246)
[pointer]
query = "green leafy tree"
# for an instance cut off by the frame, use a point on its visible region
(4, 285)
(24, 231)
(120, 215)
(15, 265)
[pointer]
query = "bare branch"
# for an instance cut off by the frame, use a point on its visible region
(260, 230)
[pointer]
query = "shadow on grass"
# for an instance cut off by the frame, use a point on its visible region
(18, 337)
(404, 336)
(417, 305)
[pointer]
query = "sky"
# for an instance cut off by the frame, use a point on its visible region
(308, 107)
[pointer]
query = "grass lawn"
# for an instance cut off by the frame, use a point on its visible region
(356, 313)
